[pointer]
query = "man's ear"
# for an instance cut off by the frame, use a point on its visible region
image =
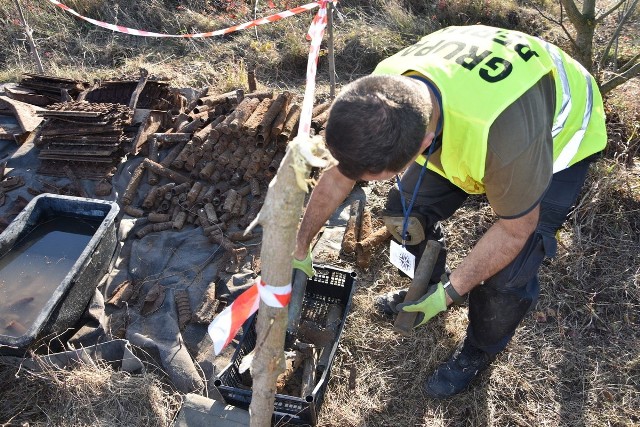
(426, 142)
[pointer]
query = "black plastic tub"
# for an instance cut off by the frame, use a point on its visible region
(52, 257)
(329, 286)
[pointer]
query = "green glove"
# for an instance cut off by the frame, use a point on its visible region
(432, 303)
(305, 265)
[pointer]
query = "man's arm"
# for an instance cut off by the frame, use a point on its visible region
(332, 188)
(494, 251)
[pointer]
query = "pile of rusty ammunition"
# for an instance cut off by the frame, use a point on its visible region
(155, 95)
(88, 137)
(216, 162)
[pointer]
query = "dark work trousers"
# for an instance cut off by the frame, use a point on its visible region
(497, 307)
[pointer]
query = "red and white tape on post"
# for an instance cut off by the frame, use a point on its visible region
(226, 324)
(250, 24)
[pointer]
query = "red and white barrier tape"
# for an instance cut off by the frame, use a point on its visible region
(250, 24)
(226, 324)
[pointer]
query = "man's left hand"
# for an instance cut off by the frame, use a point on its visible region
(432, 303)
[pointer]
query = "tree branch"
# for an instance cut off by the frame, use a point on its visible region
(572, 12)
(616, 34)
(620, 78)
(610, 11)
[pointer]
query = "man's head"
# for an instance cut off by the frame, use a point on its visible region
(378, 124)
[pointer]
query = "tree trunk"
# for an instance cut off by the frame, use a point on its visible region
(585, 24)
(279, 218)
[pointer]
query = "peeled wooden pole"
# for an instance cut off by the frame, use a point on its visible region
(279, 219)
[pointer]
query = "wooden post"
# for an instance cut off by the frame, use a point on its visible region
(332, 58)
(279, 219)
(28, 32)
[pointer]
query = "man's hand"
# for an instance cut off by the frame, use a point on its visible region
(305, 265)
(432, 303)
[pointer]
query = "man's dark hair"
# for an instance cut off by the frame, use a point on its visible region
(377, 123)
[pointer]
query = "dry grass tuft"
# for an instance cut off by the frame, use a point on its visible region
(87, 395)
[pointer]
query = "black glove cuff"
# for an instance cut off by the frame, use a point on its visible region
(453, 294)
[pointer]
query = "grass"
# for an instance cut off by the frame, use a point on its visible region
(574, 361)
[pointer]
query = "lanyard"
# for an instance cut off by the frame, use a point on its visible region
(407, 209)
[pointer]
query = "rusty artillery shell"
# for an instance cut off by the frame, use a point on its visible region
(250, 126)
(252, 211)
(242, 112)
(191, 161)
(251, 172)
(132, 188)
(165, 205)
(208, 307)
(319, 121)
(215, 176)
(180, 188)
(214, 100)
(150, 198)
(261, 95)
(318, 109)
(199, 121)
(164, 171)
(365, 227)
(158, 217)
(173, 154)
(193, 193)
(254, 186)
(202, 217)
(239, 236)
(179, 220)
(237, 206)
(224, 126)
(275, 162)
(225, 158)
(267, 157)
(373, 240)
(182, 199)
(207, 171)
(349, 237)
(281, 102)
(207, 196)
(257, 155)
(240, 152)
(290, 124)
(278, 123)
(210, 212)
(183, 307)
(230, 200)
(178, 162)
(202, 135)
(171, 138)
(201, 108)
(244, 164)
(152, 177)
(180, 121)
(160, 226)
(244, 190)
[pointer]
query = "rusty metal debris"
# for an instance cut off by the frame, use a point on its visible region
(43, 90)
(153, 300)
(122, 293)
(183, 307)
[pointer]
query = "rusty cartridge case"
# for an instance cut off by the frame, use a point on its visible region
(132, 188)
(275, 162)
(230, 199)
(207, 195)
(150, 199)
(164, 171)
(257, 155)
(165, 139)
(278, 123)
(225, 158)
(224, 126)
(133, 211)
(222, 187)
(244, 163)
(165, 205)
(173, 154)
(207, 171)
(244, 190)
(261, 95)
(180, 121)
(179, 220)
(252, 211)
(254, 186)
(192, 195)
(210, 212)
(281, 102)
(320, 108)
(160, 226)
(202, 217)
(200, 136)
(319, 121)
(158, 217)
(243, 112)
(152, 177)
(290, 125)
(213, 100)
(250, 126)
(180, 188)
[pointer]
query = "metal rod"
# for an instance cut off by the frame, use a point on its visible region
(32, 43)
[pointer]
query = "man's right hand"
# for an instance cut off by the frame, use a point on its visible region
(305, 265)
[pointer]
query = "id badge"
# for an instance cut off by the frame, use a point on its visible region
(402, 258)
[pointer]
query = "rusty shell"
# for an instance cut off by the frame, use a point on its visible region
(152, 177)
(172, 138)
(150, 199)
(250, 127)
(210, 211)
(183, 307)
(208, 307)
(180, 121)
(173, 154)
(375, 239)
(281, 102)
(149, 228)
(179, 220)
(158, 217)
(254, 186)
(290, 125)
(180, 188)
(193, 193)
(164, 171)
(132, 188)
(214, 100)
(230, 200)
(202, 135)
(207, 171)
(242, 112)
(202, 217)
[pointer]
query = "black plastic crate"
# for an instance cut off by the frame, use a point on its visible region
(329, 286)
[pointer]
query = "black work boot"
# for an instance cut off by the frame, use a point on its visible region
(456, 374)
(387, 304)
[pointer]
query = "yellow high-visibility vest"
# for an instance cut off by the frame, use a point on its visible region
(480, 71)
